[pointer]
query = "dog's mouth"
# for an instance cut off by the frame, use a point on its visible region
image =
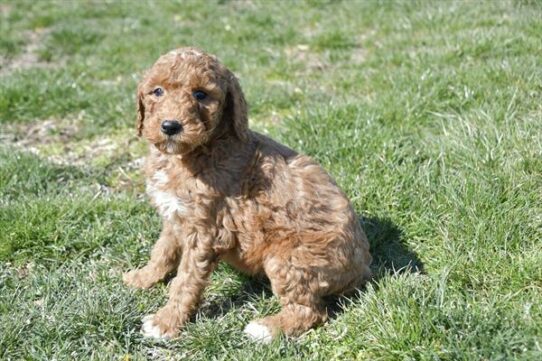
(173, 145)
(169, 146)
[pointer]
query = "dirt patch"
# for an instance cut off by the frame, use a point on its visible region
(320, 61)
(118, 155)
(358, 55)
(302, 53)
(41, 133)
(29, 57)
(84, 153)
(57, 141)
(243, 5)
(39, 137)
(21, 271)
(5, 9)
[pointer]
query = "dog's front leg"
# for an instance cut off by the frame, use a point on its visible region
(196, 265)
(164, 259)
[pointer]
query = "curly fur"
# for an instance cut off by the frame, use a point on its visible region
(226, 193)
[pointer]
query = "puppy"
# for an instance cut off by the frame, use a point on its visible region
(226, 193)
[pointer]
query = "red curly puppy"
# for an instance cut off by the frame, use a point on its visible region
(227, 193)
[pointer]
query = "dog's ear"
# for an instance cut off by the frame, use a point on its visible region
(236, 110)
(140, 112)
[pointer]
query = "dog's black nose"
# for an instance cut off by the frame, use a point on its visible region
(171, 127)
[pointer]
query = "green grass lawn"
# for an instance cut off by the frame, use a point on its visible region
(428, 114)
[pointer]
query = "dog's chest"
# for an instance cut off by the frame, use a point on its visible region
(169, 199)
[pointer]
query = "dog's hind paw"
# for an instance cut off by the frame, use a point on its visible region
(258, 332)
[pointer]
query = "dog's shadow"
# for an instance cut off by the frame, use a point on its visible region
(251, 290)
(390, 252)
(391, 255)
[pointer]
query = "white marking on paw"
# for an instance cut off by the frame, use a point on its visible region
(149, 329)
(258, 332)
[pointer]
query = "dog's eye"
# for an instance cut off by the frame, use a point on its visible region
(158, 92)
(199, 95)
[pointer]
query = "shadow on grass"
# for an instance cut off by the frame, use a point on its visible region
(253, 288)
(389, 251)
(390, 256)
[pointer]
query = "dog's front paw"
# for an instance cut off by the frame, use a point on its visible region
(140, 278)
(152, 327)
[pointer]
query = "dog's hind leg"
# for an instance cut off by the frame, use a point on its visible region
(300, 293)
(293, 320)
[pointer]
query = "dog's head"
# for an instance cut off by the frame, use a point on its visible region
(186, 99)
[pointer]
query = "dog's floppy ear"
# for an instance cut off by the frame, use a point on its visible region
(236, 110)
(140, 112)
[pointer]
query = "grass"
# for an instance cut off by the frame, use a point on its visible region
(428, 114)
